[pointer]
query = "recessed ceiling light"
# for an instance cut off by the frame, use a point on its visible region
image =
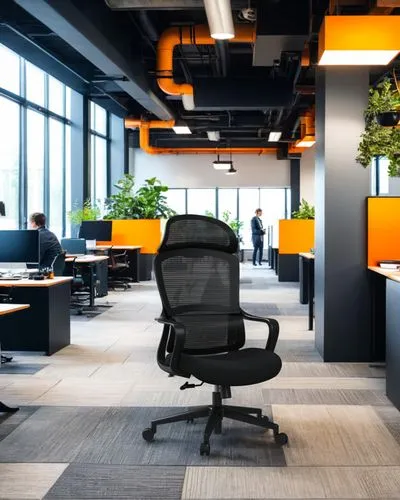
(213, 135)
(274, 136)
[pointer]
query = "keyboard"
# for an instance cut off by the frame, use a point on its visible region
(10, 277)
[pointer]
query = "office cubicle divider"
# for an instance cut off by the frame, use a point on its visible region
(295, 236)
(383, 232)
(146, 233)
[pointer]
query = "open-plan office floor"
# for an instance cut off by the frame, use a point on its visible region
(78, 433)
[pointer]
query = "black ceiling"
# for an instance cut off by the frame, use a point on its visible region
(114, 62)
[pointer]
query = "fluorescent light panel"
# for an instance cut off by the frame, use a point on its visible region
(213, 135)
(274, 136)
(222, 165)
(181, 129)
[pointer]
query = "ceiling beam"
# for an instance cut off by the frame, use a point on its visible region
(165, 4)
(68, 22)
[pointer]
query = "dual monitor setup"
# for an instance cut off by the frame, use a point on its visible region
(19, 248)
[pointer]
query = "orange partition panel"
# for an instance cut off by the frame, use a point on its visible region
(296, 235)
(144, 232)
(383, 214)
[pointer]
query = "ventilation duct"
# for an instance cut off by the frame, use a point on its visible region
(219, 94)
(282, 26)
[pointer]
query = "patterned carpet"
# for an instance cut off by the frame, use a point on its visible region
(78, 432)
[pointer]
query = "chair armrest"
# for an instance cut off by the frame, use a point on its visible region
(273, 327)
(178, 342)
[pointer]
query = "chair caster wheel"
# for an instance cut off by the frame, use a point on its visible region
(190, 421)
(281, 438)
(148, 435)
(205, 449)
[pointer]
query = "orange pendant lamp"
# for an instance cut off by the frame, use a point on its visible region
(358, 40)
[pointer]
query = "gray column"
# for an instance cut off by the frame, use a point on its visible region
(118, 151)
(342, 301)
(294, 185)
(79, 148)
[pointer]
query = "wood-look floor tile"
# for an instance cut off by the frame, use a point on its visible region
(325, 397)
(335, 435)
(229, 483)
(26, 481)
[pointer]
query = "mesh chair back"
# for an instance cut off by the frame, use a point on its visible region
(198, 231)
(58, 264)
(198, 280)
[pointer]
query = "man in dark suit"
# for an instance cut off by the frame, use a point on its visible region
(49, 245)
(257, 233)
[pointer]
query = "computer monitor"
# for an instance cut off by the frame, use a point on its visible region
(19, 246)
(74, 246)
(99, 230)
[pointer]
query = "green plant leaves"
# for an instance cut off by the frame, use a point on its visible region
(377, 140)
(88, 211)
(148, 202)
(306, 211)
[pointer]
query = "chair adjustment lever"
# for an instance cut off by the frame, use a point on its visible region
(186, 385)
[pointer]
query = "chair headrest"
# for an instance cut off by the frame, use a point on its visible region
(198, 231)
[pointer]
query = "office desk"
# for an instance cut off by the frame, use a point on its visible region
(91, 261)
(306, 272)
(45, 326)
(388, 329)
(9, 309)
(133, 252)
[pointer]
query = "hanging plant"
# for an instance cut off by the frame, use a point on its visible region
(379, 139)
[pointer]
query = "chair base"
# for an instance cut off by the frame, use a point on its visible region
(216, 412)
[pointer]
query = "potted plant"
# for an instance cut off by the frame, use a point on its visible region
(138, 216)
(88, 211)
(381, 136)
(305, 211)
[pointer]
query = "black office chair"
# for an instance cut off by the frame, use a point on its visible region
(118, 267)
(197, 273)
(58, 264)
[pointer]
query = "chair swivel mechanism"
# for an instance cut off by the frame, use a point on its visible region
(197, 274)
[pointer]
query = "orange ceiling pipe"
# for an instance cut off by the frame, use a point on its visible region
(189, 35)
(144, 140)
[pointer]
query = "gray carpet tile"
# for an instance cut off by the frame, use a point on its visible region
(123, 482)
(21, 368)
(325, 397)
(275, 309)
(10, 421)
(391, 418)
(292, 350)
(51, 434)
(117, 440)
(114, 436)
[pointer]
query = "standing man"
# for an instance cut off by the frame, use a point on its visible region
(257, 233)
(49, 245)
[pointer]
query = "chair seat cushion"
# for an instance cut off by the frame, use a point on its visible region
(243, 367)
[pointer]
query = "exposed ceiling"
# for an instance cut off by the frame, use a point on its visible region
(108, 50)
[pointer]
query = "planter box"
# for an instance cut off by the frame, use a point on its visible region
(144, 232)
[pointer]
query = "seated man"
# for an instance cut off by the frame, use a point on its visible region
(49, 245)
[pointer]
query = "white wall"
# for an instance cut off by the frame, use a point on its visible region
(307, 176)
(196, 170)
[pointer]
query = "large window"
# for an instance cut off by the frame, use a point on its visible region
(99, 144)
(9, 162)
(239, 202)
(34, 106)
(380, 176)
